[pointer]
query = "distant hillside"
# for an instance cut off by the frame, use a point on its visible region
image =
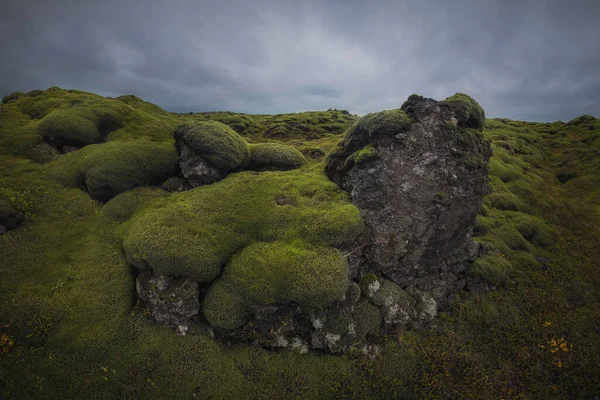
(70, 326)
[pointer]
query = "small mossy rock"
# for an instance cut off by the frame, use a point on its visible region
(467, 111)
(172, 301)
(275, 156)
(121, 207)
(70, 127)
(175, 184)
(491, 268)
(43, 153)
(397, 307)
(419, 181)
(114, 167)
(223, 307)
(426, 307)
(208, 150)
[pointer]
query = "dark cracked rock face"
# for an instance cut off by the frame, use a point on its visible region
(418, 175)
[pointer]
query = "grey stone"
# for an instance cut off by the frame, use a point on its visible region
(195, 169)
(172, 301)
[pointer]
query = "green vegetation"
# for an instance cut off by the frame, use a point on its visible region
(11, 97)
(70, 127)
(275, 156)
(359, 156)
(216, 142)
(469, 113)
(70, 327)
(111, 168)
(123, 206)
(193, 233)
(361, 140)
(311, 125)
(267, 273)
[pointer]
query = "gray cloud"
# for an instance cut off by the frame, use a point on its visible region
(535, 60)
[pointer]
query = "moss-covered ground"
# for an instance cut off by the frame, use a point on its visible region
(70, 327)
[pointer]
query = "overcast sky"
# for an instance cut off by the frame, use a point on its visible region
(532, 60)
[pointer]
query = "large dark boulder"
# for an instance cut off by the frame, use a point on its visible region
(418, 174)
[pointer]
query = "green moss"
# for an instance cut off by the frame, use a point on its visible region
(492, 268)
(114, 167)
(123, 206)
(267, 273)
(43, 153)
(360, 156)
(12, 97)
(388, 122)
(224, 307)
(275, 156)
(193, 233)
(216, 142)
(367, 319)
(468, 112)
(72, 127)
(504, 201)
(535, 230)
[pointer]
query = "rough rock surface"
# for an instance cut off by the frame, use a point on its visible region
(418, 175)
(196, 170)
(366, 311)
(172, 301)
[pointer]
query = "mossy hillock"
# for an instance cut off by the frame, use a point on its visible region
(71, 326)
(215, 142)
(275, 156)
(193, 233)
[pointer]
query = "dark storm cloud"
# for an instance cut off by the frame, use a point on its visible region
(536, 60)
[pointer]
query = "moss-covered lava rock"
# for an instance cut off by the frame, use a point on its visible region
(208, 150)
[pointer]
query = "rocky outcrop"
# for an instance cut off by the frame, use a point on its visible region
(418, 174)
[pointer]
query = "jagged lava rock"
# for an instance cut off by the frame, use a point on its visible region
(172, 301)
(418, 174)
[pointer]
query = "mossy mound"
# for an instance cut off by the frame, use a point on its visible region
(108, 169)
(11, 97)
(114, 167)
(194, 233)
(71, 127)
(216, 142)
(468, 112)
(269, 273)
(123, 206)
(275, 156)
(492, 268)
